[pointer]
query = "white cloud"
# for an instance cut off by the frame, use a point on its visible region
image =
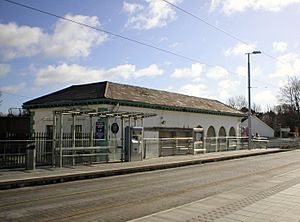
(280, 46)
(199, 90)
(195, 71)
(68, 40)
(240, 49)
(227, 88)
(243, 71)
(4, 69)
(231, 6)
(228, 84)
(150, 71)
(13, 88)
(155, 14)
(131, 7)
(287, 65)
(265, 98)
(71, 40)
(217, 72)
(74, 73)
(19, 41)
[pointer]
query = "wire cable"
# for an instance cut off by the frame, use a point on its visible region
(133, 40)
(218, 29)
(109, 33)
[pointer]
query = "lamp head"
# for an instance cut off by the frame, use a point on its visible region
(256, 52)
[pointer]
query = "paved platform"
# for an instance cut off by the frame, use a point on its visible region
(20, 178)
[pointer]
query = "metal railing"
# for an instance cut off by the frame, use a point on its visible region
(12, 153)
(83, 150)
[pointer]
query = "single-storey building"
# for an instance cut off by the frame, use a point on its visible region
(258, 127)
(164, 114)
(171, 109)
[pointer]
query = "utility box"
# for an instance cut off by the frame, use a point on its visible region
(30, 156)
(198, 140)
(134, 137)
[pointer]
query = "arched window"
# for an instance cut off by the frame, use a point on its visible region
(232, 131)
(211, 132)
(222, 132)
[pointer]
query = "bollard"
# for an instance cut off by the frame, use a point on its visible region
(30, 156)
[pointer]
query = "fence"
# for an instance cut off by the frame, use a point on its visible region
(216, 144)
(292, 143)
(85, 150)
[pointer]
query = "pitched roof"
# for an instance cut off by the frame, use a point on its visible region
(109, 92)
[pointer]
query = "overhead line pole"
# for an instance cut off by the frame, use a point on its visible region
(249, 100)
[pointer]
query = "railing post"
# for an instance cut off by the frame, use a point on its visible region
(91, 132)
(122, 139)
(61, 140)
(73, 138)
(54, 138)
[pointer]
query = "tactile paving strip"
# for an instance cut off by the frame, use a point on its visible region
(237, 205)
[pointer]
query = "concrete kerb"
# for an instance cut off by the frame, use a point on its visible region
(44, 180)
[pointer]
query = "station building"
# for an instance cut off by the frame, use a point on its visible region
(163, 114)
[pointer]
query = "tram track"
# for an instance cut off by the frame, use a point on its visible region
(136, 184)
(99, 209)
(79, 210)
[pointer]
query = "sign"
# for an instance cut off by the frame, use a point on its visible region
(100, 130)
(114, 128)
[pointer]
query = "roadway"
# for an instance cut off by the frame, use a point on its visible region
(122, 198)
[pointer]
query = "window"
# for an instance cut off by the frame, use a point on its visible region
(211, 132)
(222, 132)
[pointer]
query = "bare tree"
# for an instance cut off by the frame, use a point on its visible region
(237, 102)
(240, 103)
(256, 108)
(290, 93)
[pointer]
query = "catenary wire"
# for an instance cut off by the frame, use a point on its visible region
(110, 33)
(224, 32)
(134, 40)
(219, 29)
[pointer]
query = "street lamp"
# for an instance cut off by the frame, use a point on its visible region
(249, 98)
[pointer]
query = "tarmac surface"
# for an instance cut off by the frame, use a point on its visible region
(273, 199)
(20, 178)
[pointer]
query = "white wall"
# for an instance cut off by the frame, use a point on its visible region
(259, 127)
(43, 117)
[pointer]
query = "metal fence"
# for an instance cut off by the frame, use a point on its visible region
(85, 150)
(291, 143)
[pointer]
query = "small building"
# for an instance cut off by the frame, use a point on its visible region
(258, 127)
(163, 114)
(171, 109)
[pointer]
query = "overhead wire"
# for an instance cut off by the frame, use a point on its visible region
(220, 30)
(134, 40)
(110, 33)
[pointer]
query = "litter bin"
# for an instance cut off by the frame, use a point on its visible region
(30, 156)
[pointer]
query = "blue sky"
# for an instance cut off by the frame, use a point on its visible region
(40, 54)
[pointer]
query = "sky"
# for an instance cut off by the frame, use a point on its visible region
(40, 54)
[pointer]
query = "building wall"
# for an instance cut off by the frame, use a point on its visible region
(259, 127)
(164, 118)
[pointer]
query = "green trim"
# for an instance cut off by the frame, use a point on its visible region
(128, 103)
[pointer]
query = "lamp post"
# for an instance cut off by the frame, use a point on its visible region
(249, 99)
